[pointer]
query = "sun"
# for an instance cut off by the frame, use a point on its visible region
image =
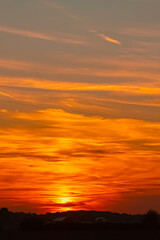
(64, 200)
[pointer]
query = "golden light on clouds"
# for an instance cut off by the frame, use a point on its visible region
(70, 160)
(5, 94)
(71, 86)
(79, 106)
(106, 38)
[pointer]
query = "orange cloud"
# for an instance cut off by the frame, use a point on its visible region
(14, 64)
(76, 162)
(70, 86)
(106, 38)
(135, 69)
(5, 94)
(30, 34)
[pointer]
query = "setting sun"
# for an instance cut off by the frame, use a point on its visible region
(80, 105)
(64, 200)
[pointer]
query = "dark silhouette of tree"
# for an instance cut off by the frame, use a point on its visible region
(4, 216)
(3, 211)
(151, 218)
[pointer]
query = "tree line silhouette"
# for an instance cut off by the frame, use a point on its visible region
(77, 220)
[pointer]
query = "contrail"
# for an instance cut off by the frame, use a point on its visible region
(7, 95)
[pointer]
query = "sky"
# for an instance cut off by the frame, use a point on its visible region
(80, 105)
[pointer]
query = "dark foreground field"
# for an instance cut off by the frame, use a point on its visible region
(79, 225)
(82, 235)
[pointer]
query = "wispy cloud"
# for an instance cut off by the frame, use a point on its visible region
(31, 34)
(106, 38)
(14, 64)
(78, 86)
(142, 32)
(53, 4)
(59, 167)
(62, 9)
(135, 69)
(5, 94)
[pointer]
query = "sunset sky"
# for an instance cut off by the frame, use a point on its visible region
(80, 105)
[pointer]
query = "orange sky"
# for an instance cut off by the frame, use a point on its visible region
(79, 105)
(52, 160)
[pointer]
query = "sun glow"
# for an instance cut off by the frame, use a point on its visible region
(81, 163)
(80, 106)
(64, 200)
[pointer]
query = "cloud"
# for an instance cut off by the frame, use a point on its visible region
(30, 34)
(62, 9)
(70, 86)
(110, 39)
(14, 64)
(53, 4)
(141, 70)
(106, 38)
(5, 94)
(142, 32)
(115, 157)
(119, 63)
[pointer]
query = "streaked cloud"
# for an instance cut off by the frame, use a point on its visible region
(70, 86)
(109, 104)
(106, 38)
(143, 32)
(53, 4)
(31, 34)
(134, 69)
(5, 94)
(79, 108)
(64, 162)
(14, 64)
(62, 10)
